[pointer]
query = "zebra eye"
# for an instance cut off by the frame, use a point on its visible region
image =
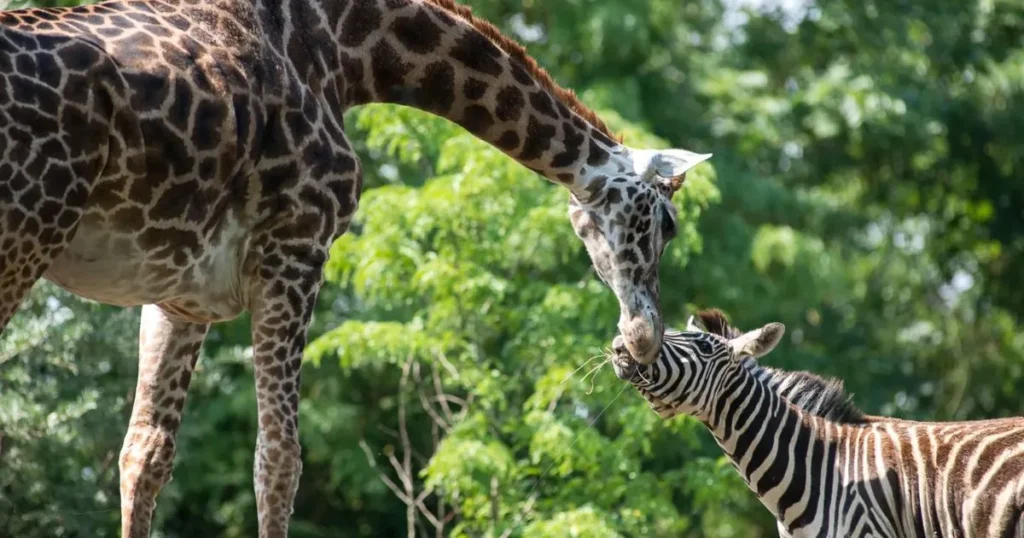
(703, 347)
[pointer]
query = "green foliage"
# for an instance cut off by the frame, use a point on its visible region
(865, 191)
(478, 273)
(577, 523)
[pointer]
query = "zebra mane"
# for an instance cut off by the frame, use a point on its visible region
(715, 322)
(825, 398)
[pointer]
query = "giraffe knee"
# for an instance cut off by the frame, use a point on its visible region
(147, 456)
(279, 457)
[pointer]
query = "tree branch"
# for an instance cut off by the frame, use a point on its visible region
(435, 403)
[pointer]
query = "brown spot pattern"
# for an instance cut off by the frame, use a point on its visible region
(510, 104)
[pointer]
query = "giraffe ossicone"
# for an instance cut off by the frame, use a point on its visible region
(190, 156)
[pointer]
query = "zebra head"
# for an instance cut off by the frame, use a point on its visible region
(693, 364)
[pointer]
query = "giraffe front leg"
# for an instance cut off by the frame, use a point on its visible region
(283, 302)
(168, 350)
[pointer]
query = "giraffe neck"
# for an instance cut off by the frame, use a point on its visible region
(756, 428)
(434, 56)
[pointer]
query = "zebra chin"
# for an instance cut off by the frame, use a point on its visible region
(629, 370)
(626, 368)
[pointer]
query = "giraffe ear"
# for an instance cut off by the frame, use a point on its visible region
(759, 342)
(673, 163)
(666, 165)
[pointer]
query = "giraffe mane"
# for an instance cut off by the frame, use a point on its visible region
(518, 53)
(825, 398)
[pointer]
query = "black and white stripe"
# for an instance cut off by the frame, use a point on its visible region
(819, 464)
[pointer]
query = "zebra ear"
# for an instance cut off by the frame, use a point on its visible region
(759, 342)
(694, 325)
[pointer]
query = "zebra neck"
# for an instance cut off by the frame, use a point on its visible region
(759, 431)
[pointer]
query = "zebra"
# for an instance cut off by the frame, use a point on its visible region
(819, 464)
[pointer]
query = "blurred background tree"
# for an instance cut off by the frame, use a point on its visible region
(866, 190)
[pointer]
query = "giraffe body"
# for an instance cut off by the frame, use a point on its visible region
(210, 289)
(190, 156)
(176, 223)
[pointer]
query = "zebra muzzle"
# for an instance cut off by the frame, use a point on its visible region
(625, 367)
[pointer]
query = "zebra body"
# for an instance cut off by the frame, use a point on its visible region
(821, 466)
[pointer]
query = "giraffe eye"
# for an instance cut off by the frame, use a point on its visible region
(668, 225)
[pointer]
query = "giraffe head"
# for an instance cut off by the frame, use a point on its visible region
(623, 212)
(691, 364)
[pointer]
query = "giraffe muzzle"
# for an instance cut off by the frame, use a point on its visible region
(641, 335)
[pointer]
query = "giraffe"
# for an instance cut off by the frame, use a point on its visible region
(189, 156)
